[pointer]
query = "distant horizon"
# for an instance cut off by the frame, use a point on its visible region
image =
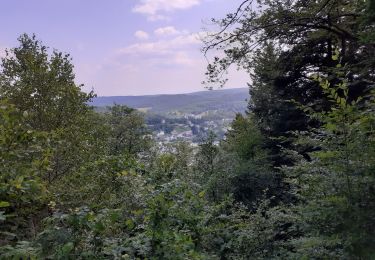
(171, 94)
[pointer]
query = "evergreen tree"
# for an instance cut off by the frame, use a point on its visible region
(281, 44)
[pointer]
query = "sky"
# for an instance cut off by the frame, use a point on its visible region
(123, 47)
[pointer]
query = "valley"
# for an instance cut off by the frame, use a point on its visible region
(184, 117)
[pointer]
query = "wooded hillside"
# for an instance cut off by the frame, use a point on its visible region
(292, 179)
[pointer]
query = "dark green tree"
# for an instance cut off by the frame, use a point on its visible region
(337, 186)
(206, 156)
(128, 132)
(244, 168)
(271, 107)
(281, 44)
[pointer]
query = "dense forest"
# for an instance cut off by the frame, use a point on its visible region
(292, 179)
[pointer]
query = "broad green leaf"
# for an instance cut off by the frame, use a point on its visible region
(4, 204)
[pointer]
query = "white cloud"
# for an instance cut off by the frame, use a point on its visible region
(153, 8)
(182, 58)
(157, 17)
(181, 50)
(142, 35)
(168, 30)
(162, 46)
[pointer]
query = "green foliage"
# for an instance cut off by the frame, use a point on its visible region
(22, 250)
(242, 165)
(172, 163)
(174, 217)
(23, 159)
(270, 108)
(368, 20)
(127, 131)
(307, 33)
(76, 184)
(337, 184)
(107, 182)
(245, 140)
(73, 146)
(206, 157)
(281, 44)
(42, 85)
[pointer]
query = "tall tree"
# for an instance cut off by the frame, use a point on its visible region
(42, 84)
(337, 185)
(281, 44)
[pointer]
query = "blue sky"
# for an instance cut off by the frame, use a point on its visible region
(122, 47)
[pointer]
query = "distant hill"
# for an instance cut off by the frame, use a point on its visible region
(225, 99)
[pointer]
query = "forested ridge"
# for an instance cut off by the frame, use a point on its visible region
(292, 179)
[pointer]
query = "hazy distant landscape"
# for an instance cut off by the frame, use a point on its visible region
(184, 117)
(231, 100)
